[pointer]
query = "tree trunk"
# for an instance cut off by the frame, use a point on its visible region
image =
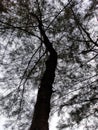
(42, 107)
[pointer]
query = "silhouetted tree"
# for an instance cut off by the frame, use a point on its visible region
(34, 35)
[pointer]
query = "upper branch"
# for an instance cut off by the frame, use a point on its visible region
(46, 40)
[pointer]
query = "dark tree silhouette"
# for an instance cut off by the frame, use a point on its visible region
(42, 107)
(34, 35)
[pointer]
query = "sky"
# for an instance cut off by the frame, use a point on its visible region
(2, 120)
(54, 120)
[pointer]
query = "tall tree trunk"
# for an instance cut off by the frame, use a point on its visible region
(42, 107)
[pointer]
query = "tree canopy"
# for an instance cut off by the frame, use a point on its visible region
(72, 29)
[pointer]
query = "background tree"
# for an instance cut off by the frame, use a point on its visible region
(68, 27)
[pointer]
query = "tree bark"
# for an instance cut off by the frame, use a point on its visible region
(42, 107)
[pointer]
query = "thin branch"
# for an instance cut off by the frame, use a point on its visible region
(29, 74)
(83, 29)
(23, 88)
(39, 9)
(29, 64)
(88, 35)
(20, 28)
(58, 14)
(92, 58)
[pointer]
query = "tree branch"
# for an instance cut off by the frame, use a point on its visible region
(21, 29)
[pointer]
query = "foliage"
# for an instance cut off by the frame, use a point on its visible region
(71, 29)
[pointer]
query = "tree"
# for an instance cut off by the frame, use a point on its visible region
(41, 28)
